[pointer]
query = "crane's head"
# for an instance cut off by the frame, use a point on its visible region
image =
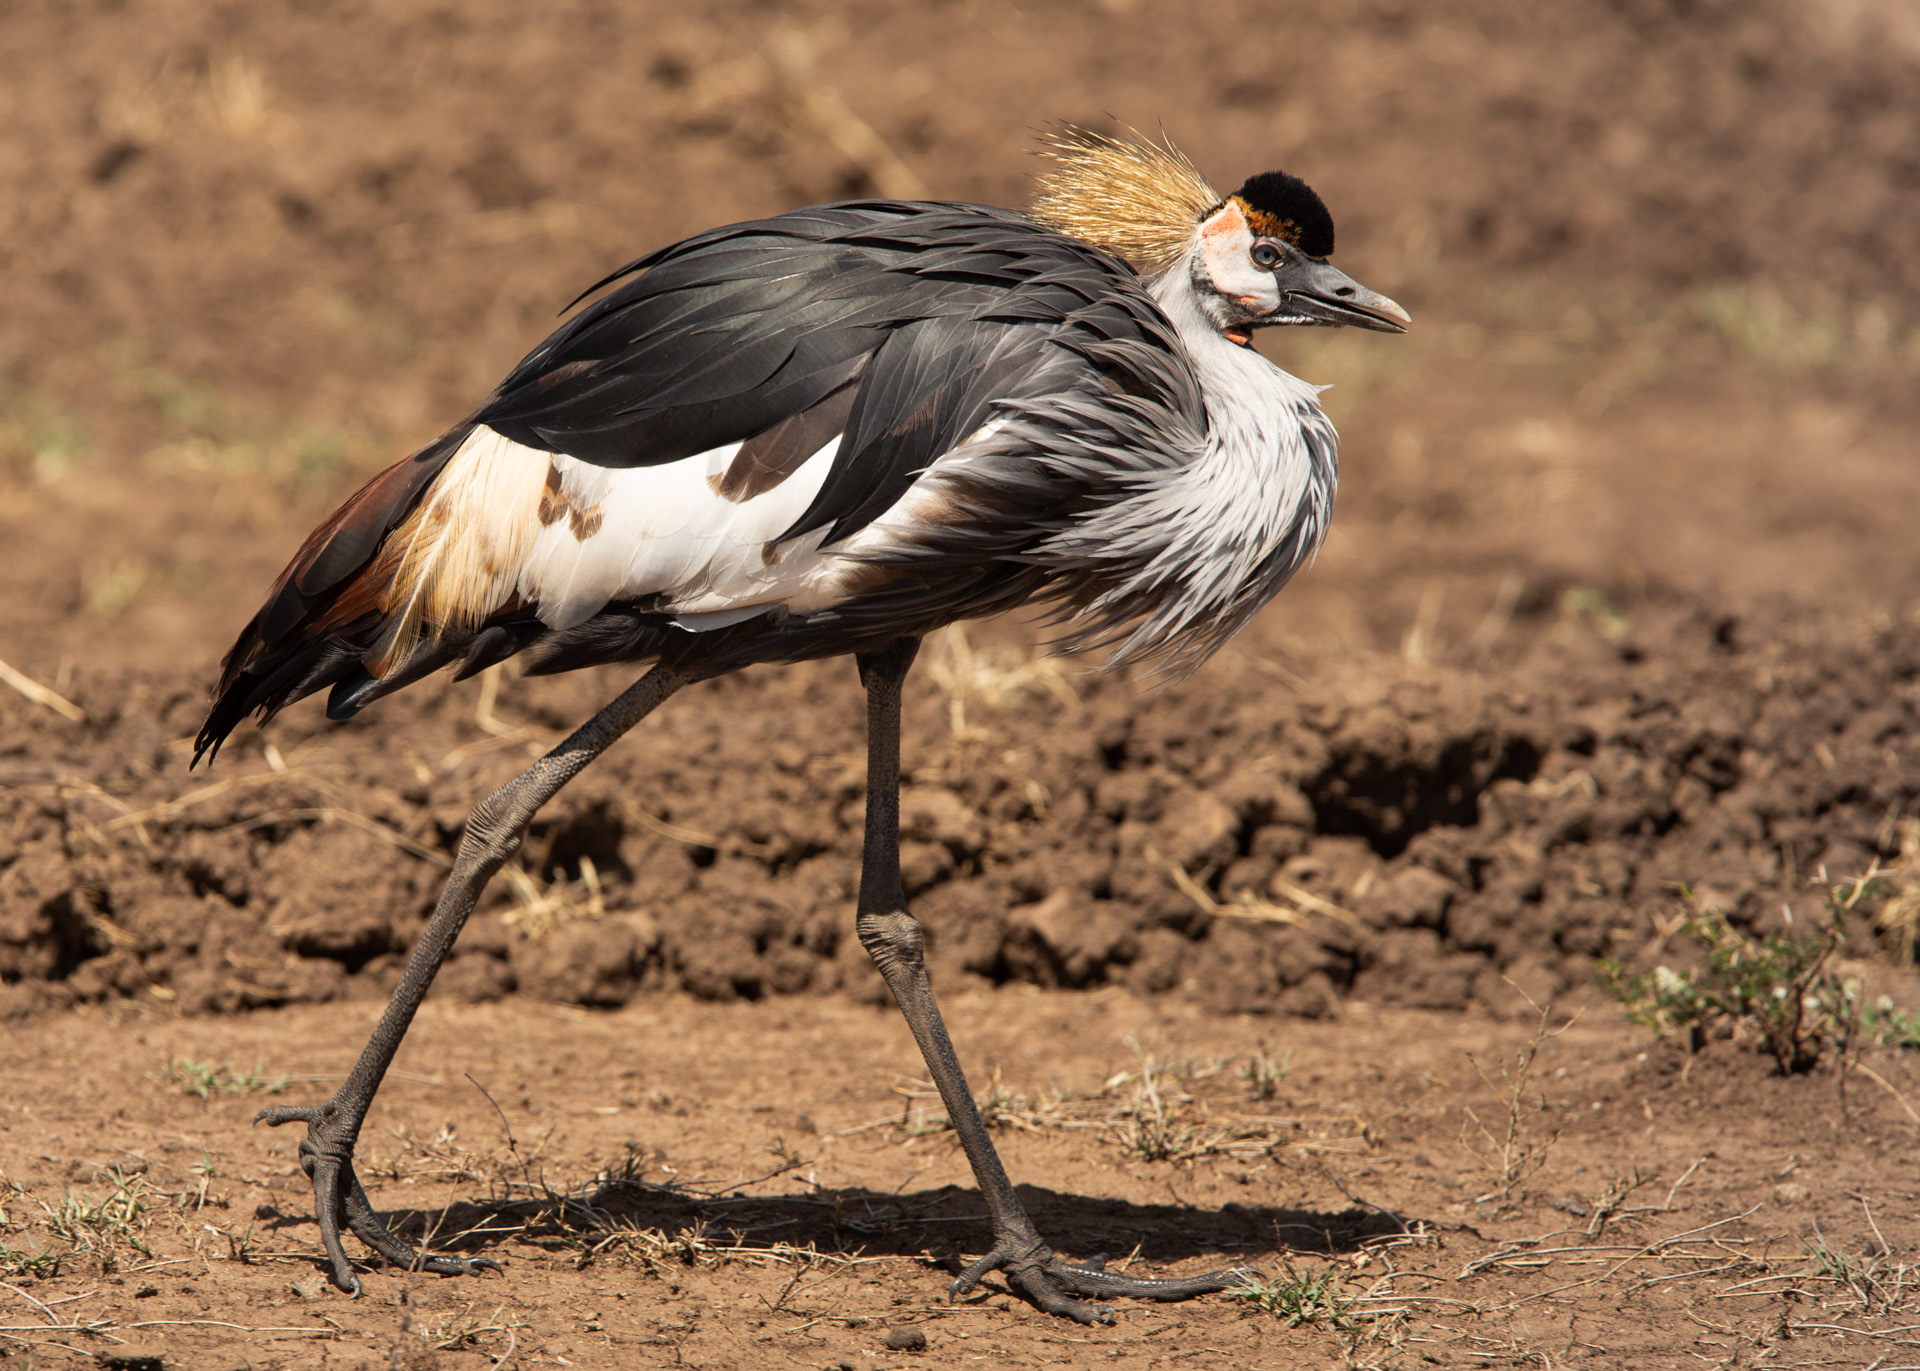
(1255, 259)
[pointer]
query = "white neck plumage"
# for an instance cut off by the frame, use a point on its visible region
(1213, 523)
(1254, 507)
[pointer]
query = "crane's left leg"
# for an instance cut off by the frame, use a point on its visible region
(493, 834)
(892, 938)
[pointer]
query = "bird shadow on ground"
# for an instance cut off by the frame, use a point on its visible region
(661, 1224)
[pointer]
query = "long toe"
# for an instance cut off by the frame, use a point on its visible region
(367, 1226)
(278, 1114)
(1053, 1284)
(1049, 1295)
(1092, 1279)
(340, 1203)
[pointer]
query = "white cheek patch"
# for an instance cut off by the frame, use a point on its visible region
(1226, 243)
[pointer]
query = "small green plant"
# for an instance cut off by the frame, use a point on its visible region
(38, 437)
(206, 1078)
(100, 1226)
(17, 1261)
(1781, 987)
(1154, 1129)
(1156, 1126)
(1308, 1297)
(1263, 1073)
(1869, 1277)
(999, 1106)
(1762, 323)
(1585, 605)
(1832, 1262)
(1881, 1022)
(1512, 1155)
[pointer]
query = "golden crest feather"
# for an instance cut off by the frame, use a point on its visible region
(1135, 198)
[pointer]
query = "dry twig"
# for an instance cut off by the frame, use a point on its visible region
(42, 696)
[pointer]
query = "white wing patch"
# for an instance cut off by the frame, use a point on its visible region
(663, 532)
(568, 538)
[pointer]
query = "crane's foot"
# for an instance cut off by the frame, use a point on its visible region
(1051, 1284)
(326, 1156)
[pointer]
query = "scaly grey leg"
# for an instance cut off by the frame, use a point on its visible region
(893, 939)
(493, 834)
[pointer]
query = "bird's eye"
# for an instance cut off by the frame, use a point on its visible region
(1265, 254)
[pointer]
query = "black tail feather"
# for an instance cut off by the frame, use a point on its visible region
(354, 692)
(296, 671)
(336, 663)
(496, 642)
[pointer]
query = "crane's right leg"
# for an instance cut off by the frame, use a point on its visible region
(493, 833)
(893, 938)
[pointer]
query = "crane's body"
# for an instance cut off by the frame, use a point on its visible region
(831, 432)
(813, 434)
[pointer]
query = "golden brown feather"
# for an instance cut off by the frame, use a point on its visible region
(1137, 199)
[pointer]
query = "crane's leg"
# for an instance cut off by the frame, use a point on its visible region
(892, 938)
(493, 833)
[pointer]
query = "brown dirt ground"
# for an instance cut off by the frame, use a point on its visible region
(1622, 594)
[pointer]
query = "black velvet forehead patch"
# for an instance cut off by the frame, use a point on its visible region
(1283, 206)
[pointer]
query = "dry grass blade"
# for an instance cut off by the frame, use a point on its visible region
(1857, 1065)
(1307, 900)
(1646, 1249)
(41, 1305)
(543, 909)
(1246, 905)
(351, 818)
(995, 678)
(500, 733)
(692, 837)
(42, 696)
(168, 810)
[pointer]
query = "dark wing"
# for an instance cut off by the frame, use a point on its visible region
(726, 335)
(929, 314)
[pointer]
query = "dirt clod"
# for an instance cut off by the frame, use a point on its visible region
(132, 1357)
(1620, 598)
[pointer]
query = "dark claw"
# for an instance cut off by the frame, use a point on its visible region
(338, 1195)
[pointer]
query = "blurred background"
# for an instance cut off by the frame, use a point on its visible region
(1620, 594)
(1663, 258)
(1618, 625)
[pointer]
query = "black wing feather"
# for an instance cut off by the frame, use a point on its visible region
(937, 315)
(940, 308)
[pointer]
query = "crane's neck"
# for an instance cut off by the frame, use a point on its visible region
(1204, 515)
(1252, 506)
(1257, 414)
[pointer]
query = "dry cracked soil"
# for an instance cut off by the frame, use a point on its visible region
(1290, 964)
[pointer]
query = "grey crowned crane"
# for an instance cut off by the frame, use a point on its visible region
(834, 431)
